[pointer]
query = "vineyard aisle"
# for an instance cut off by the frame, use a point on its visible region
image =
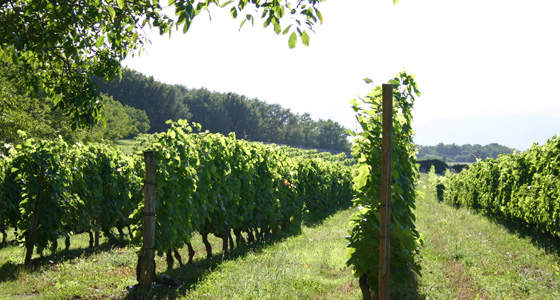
(467, 256)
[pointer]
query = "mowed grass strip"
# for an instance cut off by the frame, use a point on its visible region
(103, 272)
(307, 266)
(467, 256)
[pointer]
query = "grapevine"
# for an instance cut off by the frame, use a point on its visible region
(363, 245)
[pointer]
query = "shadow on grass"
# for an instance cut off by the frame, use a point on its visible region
(316, 219)
(186, 277)
(546, 241)
(9, 270)
(8, 244)
(410, 291)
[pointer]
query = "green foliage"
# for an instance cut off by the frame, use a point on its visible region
(9, 198)
(106, 183)
(521, 187)
(82, 187)
(62, 44)
(363, 245)
(213, 183)
(37, 171)
(34, 116)
(18, 111)
(206, 182)
(121, 121)
(160, 101)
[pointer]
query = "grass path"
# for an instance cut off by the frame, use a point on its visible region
(306, 266)
(465, 256)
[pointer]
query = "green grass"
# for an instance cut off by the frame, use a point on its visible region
(103, 272)
(307, 266)
(465, 256)
(125, 145)
(299, 265)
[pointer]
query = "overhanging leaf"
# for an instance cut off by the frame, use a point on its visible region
(286, 30)
(100, 41)
(111, 11)
(305, 38)
(293, 40)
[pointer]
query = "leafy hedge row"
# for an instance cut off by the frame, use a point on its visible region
(206, 183)
(80, 188)
(522, 187)
(212, 183)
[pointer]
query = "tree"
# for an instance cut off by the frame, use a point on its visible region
(332, 135)
(33, 115)
(160, 101)
(120, 121)
(62, 44)
(308, 129)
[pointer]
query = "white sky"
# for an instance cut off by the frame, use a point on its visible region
(490, 61)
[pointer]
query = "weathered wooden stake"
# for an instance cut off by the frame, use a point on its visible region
(146, 263)
(385, 222)
(31, 233)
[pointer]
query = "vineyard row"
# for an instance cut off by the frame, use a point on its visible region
(206, 183)
(520, 187)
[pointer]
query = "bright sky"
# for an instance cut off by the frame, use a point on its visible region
(487, 69)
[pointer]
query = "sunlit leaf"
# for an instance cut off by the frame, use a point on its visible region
(286, 30)
(305, 38)
(225, 4)
(319, 15)
(111, 11)
(100, 41)
(293, 40)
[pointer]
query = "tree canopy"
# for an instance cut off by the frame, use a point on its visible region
(60, 45)
(34, 116)
(250, 119)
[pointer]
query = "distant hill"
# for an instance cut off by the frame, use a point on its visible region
(249, 119)
(453, 153)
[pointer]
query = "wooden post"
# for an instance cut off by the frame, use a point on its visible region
(385, 221)
(31, 233)
(146, 263)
